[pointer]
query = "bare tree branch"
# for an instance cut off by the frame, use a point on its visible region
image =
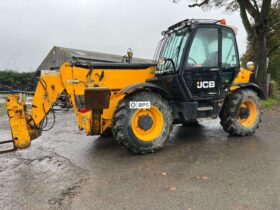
(256, 5)
(199, 4)
(250, 8)
(245, 20)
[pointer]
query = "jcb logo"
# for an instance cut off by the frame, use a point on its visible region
(205, 84)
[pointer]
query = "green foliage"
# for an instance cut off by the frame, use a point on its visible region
(273, 88)
(274, 98)
(274, 66)
(247, 56)
(273, 43)
(273, 37)
(12, 80)
(270, 102)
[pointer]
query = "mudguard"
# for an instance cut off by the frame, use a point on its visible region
(253, 86)
(141, 86)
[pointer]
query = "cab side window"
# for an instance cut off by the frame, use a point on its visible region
(204, 49)
(229, 52)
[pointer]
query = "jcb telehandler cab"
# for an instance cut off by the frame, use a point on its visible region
(196, 75)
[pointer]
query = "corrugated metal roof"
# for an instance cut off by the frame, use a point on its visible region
(58, 55)
(98, 55)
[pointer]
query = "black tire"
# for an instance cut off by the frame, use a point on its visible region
(122, 123)
(107, 133)
(230, 113)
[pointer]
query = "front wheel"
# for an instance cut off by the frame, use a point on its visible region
(241, 114)
(142, 131)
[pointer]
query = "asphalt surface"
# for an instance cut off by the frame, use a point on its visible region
(199, 168)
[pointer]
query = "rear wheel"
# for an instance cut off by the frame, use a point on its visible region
(142, 131)
(241, 114)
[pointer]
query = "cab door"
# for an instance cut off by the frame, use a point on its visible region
(202, 70)
(229, 57)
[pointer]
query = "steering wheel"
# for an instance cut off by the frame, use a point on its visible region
(191, 59)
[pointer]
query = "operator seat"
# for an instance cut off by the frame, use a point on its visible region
(211, 60)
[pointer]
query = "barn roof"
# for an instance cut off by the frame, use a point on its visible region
(59, 55)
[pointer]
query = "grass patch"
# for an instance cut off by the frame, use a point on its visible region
(270, 102)
(274, 99)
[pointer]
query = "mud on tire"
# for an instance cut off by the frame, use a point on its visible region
(230, 113)
(123, 119)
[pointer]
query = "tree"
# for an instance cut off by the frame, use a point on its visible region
(254, 15)
(12, 80)
(273, 36)
(273, 43)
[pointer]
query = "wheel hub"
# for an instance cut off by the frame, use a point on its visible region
(244, 113)
(248, 113)
(145, 122)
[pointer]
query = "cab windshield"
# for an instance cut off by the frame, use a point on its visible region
(172, 50)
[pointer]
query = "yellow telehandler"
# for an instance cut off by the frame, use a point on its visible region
(196, 74)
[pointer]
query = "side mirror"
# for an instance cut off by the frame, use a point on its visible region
(161, 61)
(251, 66)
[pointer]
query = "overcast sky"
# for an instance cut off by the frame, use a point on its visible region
(30, 28)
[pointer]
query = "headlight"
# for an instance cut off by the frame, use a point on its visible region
(251, 66)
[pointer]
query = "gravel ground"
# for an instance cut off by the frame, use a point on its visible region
(199, 168)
